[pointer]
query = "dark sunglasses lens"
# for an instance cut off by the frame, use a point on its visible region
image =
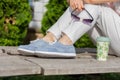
(75, 17)
(87, 20)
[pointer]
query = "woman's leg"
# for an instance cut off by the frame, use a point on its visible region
(61, 24)
(72, 29)
(78, 28)
(108, 25)
(94, 33)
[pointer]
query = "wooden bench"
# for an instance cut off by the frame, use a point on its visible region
(13, 64)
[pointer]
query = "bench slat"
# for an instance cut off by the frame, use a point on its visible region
(13, 65)
(87, 65)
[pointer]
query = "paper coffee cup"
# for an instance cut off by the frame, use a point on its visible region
(102, 48)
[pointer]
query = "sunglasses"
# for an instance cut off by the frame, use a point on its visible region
(85, 21)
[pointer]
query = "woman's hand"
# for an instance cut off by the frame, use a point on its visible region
(76, 4)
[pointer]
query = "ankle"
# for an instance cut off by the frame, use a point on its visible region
(49, 38)
(66, 41)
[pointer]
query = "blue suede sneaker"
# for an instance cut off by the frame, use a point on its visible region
(57, 50)
(30, 48)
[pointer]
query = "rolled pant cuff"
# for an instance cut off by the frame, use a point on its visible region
(54, 33)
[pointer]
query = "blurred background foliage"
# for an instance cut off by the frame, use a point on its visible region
(16, 14)
(14, 18)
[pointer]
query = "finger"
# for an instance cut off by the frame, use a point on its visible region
(76, 4)
(72, 5)
(79, 7)
(82, 4)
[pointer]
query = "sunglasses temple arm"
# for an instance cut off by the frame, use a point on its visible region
(74, 10)
(88, 13)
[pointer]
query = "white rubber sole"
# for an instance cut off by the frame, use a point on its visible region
(26, 52)
(54, 54)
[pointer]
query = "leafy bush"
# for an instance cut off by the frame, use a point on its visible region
(14, 18)
(55, 9)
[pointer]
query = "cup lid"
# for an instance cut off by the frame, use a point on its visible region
(103, 39)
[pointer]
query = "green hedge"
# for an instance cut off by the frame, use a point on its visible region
(14, 18)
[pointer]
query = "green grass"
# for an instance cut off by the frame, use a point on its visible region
(75, 77)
